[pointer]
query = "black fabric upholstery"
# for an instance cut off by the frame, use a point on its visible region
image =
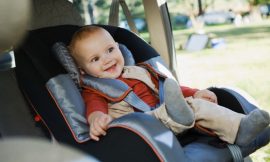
(226, 99)
(120, 145)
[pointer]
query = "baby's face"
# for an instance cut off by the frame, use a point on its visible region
(99, 56)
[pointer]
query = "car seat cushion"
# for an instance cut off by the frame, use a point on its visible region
(69, 101)
(65, 90)
(63, 56)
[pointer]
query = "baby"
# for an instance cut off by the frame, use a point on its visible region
(97, 54)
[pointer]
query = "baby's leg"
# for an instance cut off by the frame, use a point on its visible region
(175, 103)
(251, 125)
(161, 114)
(230, 126)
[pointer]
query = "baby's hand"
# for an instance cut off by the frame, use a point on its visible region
(98, 122)
(206, 95)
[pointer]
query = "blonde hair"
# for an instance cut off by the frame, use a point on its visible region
(81, 34)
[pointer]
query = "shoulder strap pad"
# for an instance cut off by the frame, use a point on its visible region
(112, 89)
(115, 90)
(159, 66)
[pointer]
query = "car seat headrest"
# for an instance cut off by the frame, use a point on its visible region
(63, 56)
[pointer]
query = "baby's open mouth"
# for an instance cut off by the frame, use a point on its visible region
(111, 68)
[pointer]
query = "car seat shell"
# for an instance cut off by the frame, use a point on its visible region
(36, 65)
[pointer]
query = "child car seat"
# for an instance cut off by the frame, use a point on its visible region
(133, 137)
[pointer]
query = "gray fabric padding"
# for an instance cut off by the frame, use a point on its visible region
(62, 55)
(128, 57)
(162, 140)
(71, 104)
(111, 87)
(159, 65)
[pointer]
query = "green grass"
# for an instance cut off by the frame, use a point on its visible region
(244, 63)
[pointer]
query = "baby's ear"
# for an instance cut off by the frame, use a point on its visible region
(82, 72)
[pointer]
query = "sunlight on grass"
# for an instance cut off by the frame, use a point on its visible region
(244, 63)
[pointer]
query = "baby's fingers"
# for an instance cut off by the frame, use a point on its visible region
(94, 137)
(94, 133)
(99, 128)
(105, 121)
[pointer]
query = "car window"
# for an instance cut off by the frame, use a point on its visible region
(98, 11)
(7, 60)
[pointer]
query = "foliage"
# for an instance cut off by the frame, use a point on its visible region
(244, 64)
(77, 4)
(257, 2)
(102, 10)
(192, 8)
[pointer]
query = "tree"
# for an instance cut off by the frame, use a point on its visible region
(195, 9)
(257, 2)
(85, 8)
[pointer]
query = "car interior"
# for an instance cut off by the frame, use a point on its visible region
(30, 108)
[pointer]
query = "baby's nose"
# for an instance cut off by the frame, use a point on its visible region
(106, 60)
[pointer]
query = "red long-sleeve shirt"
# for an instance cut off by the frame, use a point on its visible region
(96, 102)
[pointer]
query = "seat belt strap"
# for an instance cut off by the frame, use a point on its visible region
(115, 89)
(114, 15)
(161, 91)
(127, 13)
(136, 102)
(236, 153)
(114, 11)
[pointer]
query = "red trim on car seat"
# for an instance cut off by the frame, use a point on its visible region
(143, 137)
(72, 132)
(37, 118)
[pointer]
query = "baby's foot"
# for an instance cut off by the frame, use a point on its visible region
(251, 125)
(176, 105)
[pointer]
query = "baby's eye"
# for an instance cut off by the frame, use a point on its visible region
(110, 49)
(95, 59)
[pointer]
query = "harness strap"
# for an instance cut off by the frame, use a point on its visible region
(114, 88)
(236, 153)
(114, 10)
(114, 15)
(161, 92)
(136, 102)
(127, 13)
